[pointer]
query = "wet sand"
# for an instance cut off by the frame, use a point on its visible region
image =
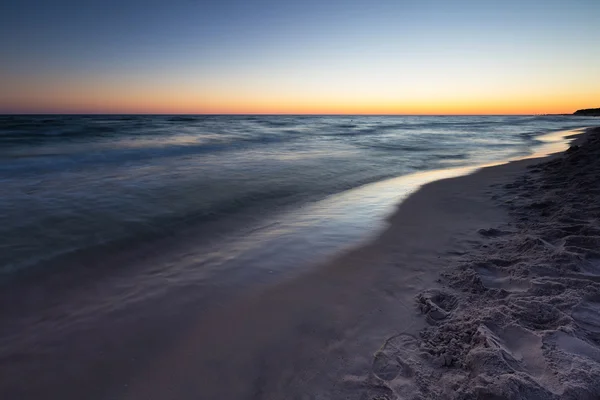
(370, 323)
(311, 337)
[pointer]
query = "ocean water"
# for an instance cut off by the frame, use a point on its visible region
(76, 184)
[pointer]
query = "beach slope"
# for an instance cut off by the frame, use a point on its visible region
(518, 317)
(381, 322)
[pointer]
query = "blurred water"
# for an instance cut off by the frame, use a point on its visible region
(76, 182)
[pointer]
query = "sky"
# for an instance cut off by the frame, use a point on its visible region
(299, 57)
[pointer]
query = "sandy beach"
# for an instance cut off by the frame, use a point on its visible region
(482, 286)
(518, 316)
(299, 200)
(513, 315)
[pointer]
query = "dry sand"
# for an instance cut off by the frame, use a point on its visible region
(483, 287)
(519, 316)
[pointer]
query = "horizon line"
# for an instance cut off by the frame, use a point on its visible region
(283, 114)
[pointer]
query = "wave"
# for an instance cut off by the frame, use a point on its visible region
(143, 230)
(346, 126)
(276, 124)
(99, 175)
(458, 156)
(353, 132)
(85, 155)
(184, 118)
(395, 147)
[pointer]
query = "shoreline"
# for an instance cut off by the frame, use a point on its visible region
(123, 251)
(348, 308)
(318, 330)
(40, 260)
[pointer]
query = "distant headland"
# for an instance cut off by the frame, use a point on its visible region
(594, 112)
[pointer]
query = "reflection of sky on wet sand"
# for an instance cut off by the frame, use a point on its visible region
(323, 228)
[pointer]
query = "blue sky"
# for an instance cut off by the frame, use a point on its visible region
(256, 56)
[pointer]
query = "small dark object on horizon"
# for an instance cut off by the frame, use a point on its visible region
(593, 112)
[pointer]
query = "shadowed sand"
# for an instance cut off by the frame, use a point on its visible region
(514, 315)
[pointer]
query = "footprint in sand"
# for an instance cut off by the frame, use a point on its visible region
(392, 374)
(573, 345)
(537, 314)
(586, 245)
(436, 305)
(587, 316)
(494, 278)
(395, 364)
(513, 349)
(387, 367)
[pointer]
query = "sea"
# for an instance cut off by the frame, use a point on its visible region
(245, 193)
(143, 252)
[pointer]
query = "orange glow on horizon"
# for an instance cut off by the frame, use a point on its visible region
(151, 106)
(322, 57)
(179, 99)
